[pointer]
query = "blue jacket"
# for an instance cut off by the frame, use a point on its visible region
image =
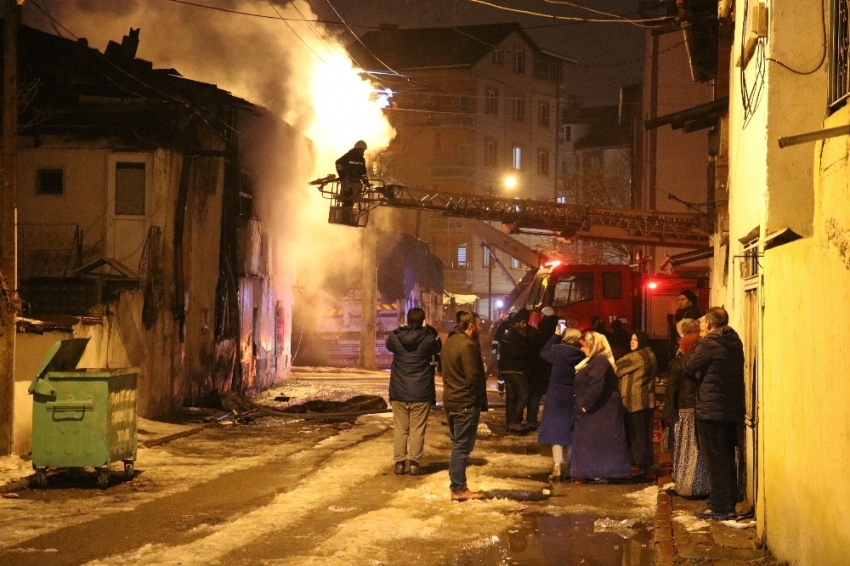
(411, 374)
(717, 366)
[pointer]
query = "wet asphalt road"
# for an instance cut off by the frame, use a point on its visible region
(280, 492)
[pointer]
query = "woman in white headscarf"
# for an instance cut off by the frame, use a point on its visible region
(600, 451)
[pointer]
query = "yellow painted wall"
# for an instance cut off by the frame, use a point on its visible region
(805, 429)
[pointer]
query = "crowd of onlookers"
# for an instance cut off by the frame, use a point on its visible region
(599, 389)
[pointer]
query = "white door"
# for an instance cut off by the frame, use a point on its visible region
(127, 207)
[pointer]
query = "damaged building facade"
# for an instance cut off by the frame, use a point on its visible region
(137, 225)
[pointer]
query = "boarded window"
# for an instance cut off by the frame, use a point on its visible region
(130, 189)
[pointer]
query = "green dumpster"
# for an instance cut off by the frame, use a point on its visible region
(82, 417)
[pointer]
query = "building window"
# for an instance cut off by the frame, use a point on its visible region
(566, 133)
(516, 158)
(561, 200)
(491, 102)
(130, 189)
(464, 104)
(542, 162)
(498, 57)
(491, 153)
(462, 258)
(543, 114)
(519, 62)
(839, 53)
(514, 263)
(486, 255)
(519, 108)
(50, 182)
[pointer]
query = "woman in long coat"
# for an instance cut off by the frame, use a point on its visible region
(563, 352)
(599, 437)
(689, 472)
(636, 371)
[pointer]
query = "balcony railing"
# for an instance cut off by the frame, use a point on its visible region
(49, 250)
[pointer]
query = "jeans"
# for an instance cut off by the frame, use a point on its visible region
(410, 420)
(717, 441)
(516, 384)
(463, 430)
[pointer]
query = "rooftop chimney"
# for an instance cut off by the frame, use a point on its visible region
(126, 51)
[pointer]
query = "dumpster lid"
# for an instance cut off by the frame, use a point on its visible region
(64, 355)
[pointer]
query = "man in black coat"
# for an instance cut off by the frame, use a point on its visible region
(517, 357)
(464, 397)
(717, 366)
(412, 392)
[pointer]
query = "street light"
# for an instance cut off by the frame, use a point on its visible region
(510, 182)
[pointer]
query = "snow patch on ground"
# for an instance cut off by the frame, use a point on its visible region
(690, 522)
(646, 499)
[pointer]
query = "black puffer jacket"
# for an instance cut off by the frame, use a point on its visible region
(517, 351)
(411, 374)
(717, 365)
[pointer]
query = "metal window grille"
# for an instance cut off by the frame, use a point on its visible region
(839, 74)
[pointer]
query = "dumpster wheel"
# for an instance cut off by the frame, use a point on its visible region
(102, 477)
(41, 478)
(128, 469)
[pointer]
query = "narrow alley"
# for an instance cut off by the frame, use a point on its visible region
(300, 491)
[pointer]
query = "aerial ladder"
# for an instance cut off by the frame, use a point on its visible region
(524, 216)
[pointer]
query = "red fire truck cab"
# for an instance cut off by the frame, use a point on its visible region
(578, 293)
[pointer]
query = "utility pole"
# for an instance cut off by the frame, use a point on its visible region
(8, 222)
(368, 299)
(653, 137)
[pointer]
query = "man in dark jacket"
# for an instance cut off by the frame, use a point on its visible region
(538, 381)
(517, 356)
(351, 170)
(464, 397)
(414, 348)
(717, 366)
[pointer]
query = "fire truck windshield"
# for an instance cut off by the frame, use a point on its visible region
(572, 289)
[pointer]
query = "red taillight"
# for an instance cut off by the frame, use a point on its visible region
(652, 285)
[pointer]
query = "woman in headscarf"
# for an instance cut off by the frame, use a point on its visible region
(563, 352)
(636, 371)
(689, 472)
(599, 438)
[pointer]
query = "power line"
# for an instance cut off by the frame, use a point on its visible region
(301, 39)
(263, 16)
(637, 22)
(363, 44)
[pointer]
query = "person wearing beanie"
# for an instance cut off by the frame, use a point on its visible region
(517, 356)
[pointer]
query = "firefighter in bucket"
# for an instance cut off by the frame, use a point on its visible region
(351, 170)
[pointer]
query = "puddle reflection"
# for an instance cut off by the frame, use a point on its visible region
(566, 540)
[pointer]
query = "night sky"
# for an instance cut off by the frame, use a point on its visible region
(599, 48)
(609, 54)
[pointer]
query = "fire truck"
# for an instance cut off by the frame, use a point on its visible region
(576, 292)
